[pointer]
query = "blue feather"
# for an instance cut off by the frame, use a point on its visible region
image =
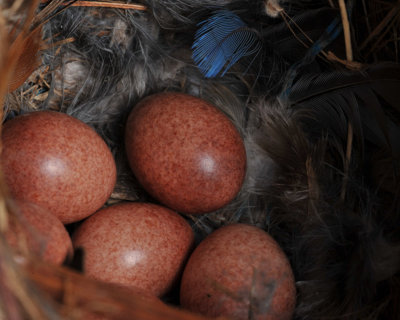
(221, 41)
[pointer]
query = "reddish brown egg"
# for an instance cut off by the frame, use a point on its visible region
(40, 233)
(135, 244)
(57, 162)
(239, 271)
(185, 152)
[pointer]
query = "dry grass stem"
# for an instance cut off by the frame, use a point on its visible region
(379, 43)
(44, 47)
(381, 26)
(75, 291)
(352, 65)
(106, 4)
(346, 30)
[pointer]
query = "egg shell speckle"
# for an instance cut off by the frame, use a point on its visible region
(57, 162)
(43, 234)
(135, 244)
(185, 152)
(231, 265)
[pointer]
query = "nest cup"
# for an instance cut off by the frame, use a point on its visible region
(95, 61)
(29, 287)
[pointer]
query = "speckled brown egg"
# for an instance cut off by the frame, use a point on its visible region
(57, 162)
(38, 232)
(185, 152)
(239, 271)
(135, 244)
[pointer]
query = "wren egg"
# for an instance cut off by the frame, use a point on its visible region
(135, 244)
(57, 162)
(185, 152)
(38, 231)
(237, 271)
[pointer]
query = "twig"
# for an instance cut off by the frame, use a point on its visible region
(17, 285)
(352, 65)
(16, 5)
(368, 24)
(330, 56)
(44, 47)
(378, 44)
(288, 20)
(106, 4)
(381, 26)
(93, 294)
(284, 16)
(346, 30)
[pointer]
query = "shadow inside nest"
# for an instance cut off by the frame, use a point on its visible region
(321, 136)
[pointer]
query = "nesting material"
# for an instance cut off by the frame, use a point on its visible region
(320, 127)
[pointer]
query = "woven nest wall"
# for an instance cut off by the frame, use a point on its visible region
(315, 98)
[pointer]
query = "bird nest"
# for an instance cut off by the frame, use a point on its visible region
(311, 86)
